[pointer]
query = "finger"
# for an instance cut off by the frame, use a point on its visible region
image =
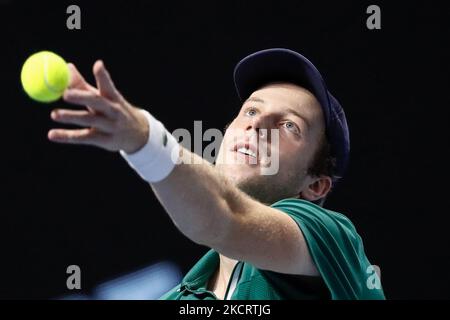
(76, 79)
(91, 99)
(86, 136)
(104, 82)
(83, 118)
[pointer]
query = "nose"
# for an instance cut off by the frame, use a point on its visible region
(261, 125)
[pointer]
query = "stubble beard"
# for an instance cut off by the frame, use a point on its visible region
(267, 189)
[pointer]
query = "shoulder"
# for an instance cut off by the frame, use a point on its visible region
(335, 246)
(322, 227)
(312, 214)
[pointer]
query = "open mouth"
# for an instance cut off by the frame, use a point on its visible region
(248, 150)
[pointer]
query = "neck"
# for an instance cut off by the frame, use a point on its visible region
(219, 282)
(227, 264)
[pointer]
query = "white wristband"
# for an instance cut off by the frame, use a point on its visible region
(157, 158)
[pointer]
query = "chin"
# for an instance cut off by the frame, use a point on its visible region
(264, 188)
(238, 173)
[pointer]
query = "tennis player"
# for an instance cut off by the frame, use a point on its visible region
(269, 234)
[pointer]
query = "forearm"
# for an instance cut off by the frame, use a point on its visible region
(201, 202)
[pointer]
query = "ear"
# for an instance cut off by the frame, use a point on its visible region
(317, 188)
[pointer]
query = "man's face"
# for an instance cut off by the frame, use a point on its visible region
(297, 115)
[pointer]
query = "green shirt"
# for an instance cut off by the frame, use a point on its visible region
(335, 247)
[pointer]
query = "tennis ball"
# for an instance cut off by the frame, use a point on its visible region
(45, 76)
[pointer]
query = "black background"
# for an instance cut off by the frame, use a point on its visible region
(63, 205)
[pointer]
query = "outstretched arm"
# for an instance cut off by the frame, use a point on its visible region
(202, 203)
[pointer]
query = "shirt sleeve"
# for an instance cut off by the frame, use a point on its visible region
(336, 249)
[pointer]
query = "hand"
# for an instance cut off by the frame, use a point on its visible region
(110, 121)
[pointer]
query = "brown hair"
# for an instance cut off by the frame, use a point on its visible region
(323, 163)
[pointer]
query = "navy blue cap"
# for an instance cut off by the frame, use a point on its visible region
(279, 64)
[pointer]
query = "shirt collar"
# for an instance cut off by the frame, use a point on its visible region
(198, 276)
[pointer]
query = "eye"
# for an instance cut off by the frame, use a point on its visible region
(251, 112)
(291, 126)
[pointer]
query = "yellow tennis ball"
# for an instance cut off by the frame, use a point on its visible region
(45, 76)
